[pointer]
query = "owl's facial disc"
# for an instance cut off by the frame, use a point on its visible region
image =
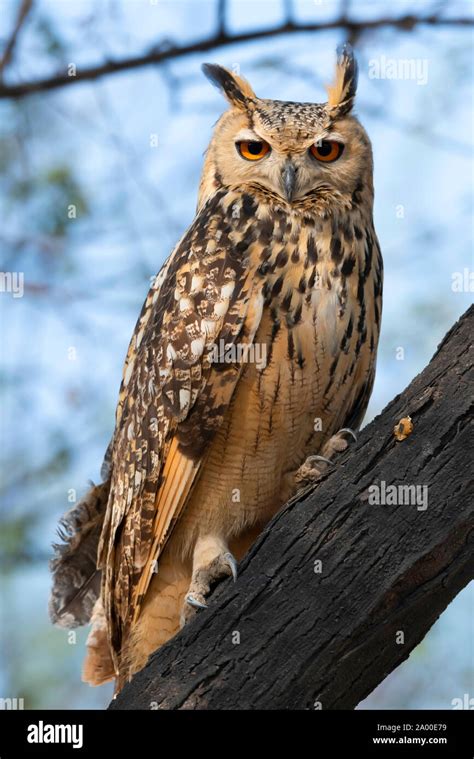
(290, 161)
(289, 173)
(291, 149)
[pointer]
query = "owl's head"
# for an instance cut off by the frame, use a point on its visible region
(290, 149)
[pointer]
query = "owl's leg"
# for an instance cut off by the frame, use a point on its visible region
(212, 561)
(315, 466)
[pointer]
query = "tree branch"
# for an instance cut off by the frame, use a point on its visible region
(167, 51)
(221, 18)
(287, 635)
(23, 10)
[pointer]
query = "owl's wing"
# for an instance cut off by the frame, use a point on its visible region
(174, 394)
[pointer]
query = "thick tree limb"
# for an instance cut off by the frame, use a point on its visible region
(167, 50)
(332, 636)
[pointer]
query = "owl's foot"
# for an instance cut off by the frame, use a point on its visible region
(212, 562)
(338, 442)
(315, 466)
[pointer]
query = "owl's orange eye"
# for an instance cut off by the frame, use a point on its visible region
(253, 150)
(327, 150)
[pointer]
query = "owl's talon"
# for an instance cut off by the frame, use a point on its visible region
(310, 460)
(192, 601)
(206, 574)
(310, 472)
(349, 432)
(232, 564)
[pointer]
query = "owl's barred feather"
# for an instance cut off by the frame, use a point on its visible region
(235, 88)
(282, 257)
(76, 579)
(98, 667)
(342, 92)
(205, 297)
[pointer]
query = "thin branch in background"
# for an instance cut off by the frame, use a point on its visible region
(289, 10)
(438, 7)
(173, 86)
(221, 18)
(166, 50)
(133, 168)
(7, 56)
(344, 12)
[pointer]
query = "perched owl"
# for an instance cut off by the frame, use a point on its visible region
(251, 363)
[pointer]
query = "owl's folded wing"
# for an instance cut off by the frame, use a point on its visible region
(174, 396)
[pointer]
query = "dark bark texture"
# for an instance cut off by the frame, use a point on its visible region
(288, 636)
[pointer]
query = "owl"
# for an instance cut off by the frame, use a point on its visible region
(250, 367)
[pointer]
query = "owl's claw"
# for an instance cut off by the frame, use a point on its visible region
(310, 460)
(311, 470)
(349, 432)
(192, 601)
(204, 577)
(232, 564)
(338, 442)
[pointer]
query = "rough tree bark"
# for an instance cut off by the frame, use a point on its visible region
(331, 636)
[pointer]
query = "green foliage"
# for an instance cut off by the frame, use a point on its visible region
(16, 540)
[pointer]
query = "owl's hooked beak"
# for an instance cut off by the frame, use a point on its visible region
(289, 179)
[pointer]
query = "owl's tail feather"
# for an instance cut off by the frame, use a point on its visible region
(76, 579)
(98, 667)
(159, 618)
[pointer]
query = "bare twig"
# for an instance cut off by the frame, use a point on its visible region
(167, 51)
(23, 11)
(289, 10)
(221, 17)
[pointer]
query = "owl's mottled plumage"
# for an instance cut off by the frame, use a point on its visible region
(282, 254)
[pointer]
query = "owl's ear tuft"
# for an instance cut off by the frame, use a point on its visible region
(236, 89)
(342, 92)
